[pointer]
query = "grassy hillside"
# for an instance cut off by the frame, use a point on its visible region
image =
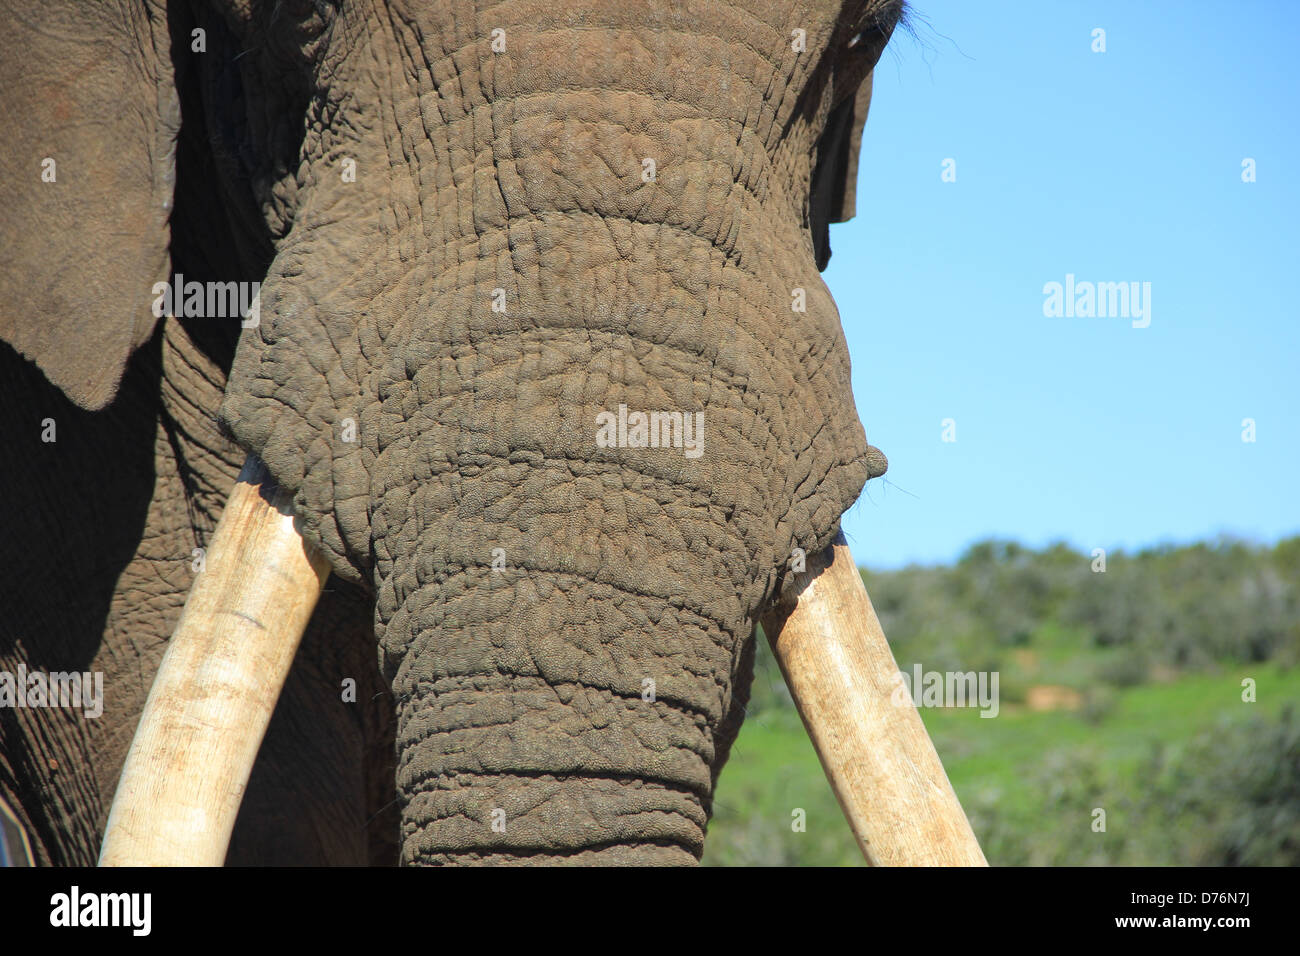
(1119, 690)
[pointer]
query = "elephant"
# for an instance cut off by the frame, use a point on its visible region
(520, 304)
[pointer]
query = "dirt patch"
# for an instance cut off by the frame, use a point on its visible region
(1053, 697)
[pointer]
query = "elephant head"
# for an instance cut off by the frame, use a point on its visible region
(543, 357)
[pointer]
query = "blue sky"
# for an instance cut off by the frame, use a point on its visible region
(1119, 166)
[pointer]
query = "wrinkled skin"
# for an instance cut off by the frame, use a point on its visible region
(464, 261)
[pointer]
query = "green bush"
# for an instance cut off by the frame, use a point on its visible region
(1241, 786)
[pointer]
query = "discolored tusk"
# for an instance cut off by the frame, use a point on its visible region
(15, 848)
(217, 685)
(877, 755)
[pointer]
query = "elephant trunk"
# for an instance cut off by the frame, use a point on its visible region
(571, 703)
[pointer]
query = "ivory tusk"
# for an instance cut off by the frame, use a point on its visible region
(874, 748)
(217, 686)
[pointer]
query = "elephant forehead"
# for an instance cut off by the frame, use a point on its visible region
(451, 25)
(745, 63)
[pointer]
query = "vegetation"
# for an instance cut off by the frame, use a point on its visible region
(1126, 692)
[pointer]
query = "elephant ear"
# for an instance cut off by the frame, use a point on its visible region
(835, 179)
(834, 187)
(90, 115)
